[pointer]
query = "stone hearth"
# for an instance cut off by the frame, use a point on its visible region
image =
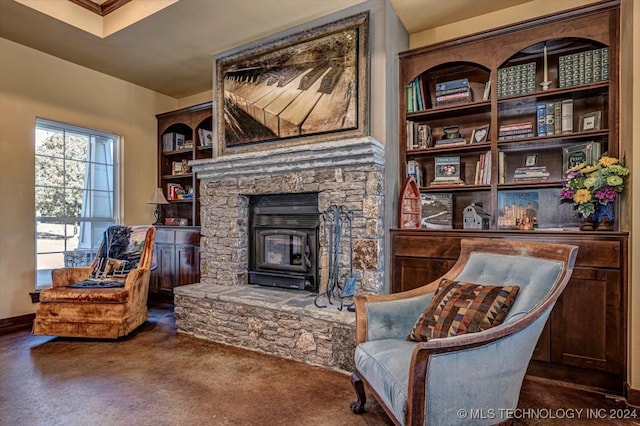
(348, 173)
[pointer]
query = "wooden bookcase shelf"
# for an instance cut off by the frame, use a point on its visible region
(173, 150)
(592, 351)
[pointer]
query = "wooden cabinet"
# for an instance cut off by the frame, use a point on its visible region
(177, 252)
(584, 341)
(183, 135)
(518, 141)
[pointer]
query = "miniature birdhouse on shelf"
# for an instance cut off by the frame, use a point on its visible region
(473, 217)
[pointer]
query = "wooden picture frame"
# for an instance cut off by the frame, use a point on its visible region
(530, 160)
(480, 134)
(308, 87)
(590, 121)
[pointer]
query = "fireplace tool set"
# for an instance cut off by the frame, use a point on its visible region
(335, 219)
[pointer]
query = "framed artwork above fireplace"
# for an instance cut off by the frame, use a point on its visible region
(307, 87)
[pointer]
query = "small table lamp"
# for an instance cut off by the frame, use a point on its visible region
(157, 198)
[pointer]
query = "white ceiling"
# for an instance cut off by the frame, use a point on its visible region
(171, 51)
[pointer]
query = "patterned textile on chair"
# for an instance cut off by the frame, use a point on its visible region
(118, 255)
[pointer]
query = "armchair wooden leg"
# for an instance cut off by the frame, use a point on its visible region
(357, 407)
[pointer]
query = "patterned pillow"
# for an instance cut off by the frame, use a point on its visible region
(458, 308)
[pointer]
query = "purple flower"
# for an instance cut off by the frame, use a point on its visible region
(605, 195)
(566, 193)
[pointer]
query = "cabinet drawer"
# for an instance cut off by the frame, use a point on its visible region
(188, 237)
(165, 236)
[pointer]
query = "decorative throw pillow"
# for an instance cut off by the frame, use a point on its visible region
(458, 308)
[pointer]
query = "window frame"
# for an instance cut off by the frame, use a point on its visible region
(84, 223)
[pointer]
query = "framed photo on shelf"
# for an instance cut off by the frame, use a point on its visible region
(590, 121)
(531, 160)
(480, 134)
(580, 153)
(176, 168)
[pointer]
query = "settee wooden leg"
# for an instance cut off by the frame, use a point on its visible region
(358, 406)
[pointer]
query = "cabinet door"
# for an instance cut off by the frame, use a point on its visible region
(187, 265)
(586, 323)
(166, 268)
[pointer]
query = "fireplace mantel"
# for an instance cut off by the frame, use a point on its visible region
(355, 152)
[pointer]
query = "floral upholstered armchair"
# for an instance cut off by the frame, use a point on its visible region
(107, 299)
(461, 344)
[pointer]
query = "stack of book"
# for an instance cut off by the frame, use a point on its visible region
(555, 118)
(535, 173)
(453, 92)
(516, 80)
(583, 68)
(522, 130)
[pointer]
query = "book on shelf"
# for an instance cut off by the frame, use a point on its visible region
(175, 191)
(206, 137)
(418, 136)
(501, 167)
(518, 209)
(551, 118)
(415, 95)
(447, 171)
(172, 141)
(487, 91)
(414, 169)
(541, 119)
(566, 120)
(483, 169)
(573, 155)
(437, 210)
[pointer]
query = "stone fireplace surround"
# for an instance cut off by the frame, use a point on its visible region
(224, 308)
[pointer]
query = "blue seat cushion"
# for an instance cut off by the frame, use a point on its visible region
(383, 364)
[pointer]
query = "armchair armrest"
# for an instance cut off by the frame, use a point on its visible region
(390, 316)
(138, 285)
(64, 276)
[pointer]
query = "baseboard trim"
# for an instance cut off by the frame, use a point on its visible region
(22, 322)
(632, 395)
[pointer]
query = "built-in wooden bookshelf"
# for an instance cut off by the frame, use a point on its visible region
(502, 79)
(182, 136)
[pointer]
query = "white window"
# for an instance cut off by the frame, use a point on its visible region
(76, 194)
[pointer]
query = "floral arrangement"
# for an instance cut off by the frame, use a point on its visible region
(589, 186)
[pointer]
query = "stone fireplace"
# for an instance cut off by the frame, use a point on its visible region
(225, 308)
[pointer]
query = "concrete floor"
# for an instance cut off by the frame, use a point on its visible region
(156, 377)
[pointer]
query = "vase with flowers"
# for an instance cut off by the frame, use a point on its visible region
(593, 190)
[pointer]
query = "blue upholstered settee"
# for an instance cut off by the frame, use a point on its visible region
(472, 378)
